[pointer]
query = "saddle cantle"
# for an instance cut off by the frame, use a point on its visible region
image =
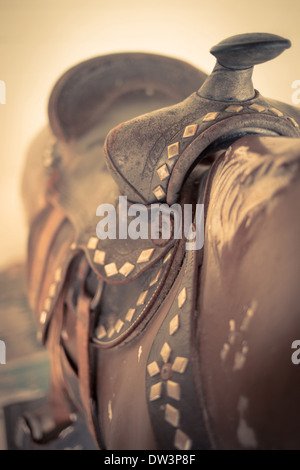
(100, 301)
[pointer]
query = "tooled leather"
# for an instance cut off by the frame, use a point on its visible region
(176, 408)
(161, 147)
(50, 254)
(120, 253)
(43, 229)
(124, 307)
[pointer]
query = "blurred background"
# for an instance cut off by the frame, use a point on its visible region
(40, 39)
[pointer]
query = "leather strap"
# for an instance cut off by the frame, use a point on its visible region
(60, 404)
(43, 231)
(175, 403)
(85, 323)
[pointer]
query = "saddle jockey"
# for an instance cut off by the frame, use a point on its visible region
(152, 346)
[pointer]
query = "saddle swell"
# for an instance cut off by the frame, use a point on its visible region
(166, 145)
(150, 156)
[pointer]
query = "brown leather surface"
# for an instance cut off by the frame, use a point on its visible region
(176, 137)
(249, 265)
(43, 230)
(87, 91)
(123, 412)
(247, 314)
(85, 324)
(249, 297)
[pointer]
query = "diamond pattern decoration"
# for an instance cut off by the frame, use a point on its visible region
(51, 295)
(52, 290)
(47, 304)
(169, 357)
(167, 387)
(234, 108)
(224, 352)
(257, 107)
(167, 257)
(181, 297)
(190, 131)
(58, 274)
(173, 390)
(182, 441)
(100, 332)
(111, 332)
(155, 391)
(172, 415)
(276, 112)
(295, 123)
(99, 257)
(159, 193)
(145, 255)
(180, 364)
(163, 172)
(156, 278)
(142, 298)
(119, 325)
(48, 159)
(173, 150)
(153, 369)
(43, 317)
(129, 315)
(111, 269)
(64, 335)
(92, 243)
(174, 325)
(165, 352)
(126, 269)
(49, 154)
(210, 116)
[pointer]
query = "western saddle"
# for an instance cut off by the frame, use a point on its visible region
(120, 316)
